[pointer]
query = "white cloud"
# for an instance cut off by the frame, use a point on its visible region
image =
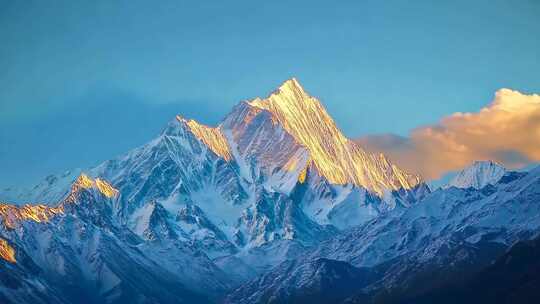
(507, 131)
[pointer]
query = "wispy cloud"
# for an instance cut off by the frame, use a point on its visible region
(507, 131)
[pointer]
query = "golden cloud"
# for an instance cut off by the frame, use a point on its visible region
(506, 131)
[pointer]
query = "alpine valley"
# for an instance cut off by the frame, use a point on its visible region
(273, 205)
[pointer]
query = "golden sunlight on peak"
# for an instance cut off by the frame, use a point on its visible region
(7, 252)
(213, 138)
(290, 91)
(106, 188)
(86, 182)
(334, 156)
(11, 214)
(291, 84)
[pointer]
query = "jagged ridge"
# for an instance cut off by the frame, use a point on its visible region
(337, 158)
(211, 137)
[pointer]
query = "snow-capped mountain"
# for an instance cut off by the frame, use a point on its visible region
(273, 178)
(503, 213)
(330, 153)
(478, 175)
(284, 149)
(451, 232)
(79, 250)
(272, 204)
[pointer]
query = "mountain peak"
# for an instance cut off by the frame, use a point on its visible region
(291, 85)
(336, 157)
(289, 93)
(212, 137)
(478, 175)
(86, 182)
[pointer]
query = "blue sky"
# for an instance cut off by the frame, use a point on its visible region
(84, 81)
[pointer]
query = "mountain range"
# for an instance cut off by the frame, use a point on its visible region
(272, 205)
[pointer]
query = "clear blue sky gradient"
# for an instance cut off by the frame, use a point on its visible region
(84, 81)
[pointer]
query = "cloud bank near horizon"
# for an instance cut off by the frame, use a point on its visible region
(506, 131)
